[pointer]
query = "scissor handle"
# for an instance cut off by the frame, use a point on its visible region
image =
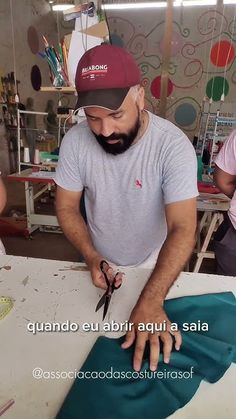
(109, 284)
(114, 286)
(101, 265)
(104, 273)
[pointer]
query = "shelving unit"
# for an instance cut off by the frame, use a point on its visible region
(7, 99)
(31, 174)
(223, 127)
(19, 141)
(41, 174)
(214, 129)
(8, 114)
(68, 89)
(205, 131)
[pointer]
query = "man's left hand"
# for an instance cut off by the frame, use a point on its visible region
(148, 312)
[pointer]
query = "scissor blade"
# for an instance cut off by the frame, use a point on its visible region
(106, 305)
(101, 302)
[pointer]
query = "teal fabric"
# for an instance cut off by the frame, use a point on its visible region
(210, 353)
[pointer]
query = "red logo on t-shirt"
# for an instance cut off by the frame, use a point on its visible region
(138, 184)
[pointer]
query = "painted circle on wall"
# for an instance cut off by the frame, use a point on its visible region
(116, 40)
(156, 87)
(222, 53)
(185, 114)
(216, 86)
(33, 39)
(36, 79)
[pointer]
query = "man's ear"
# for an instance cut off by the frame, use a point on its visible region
(141, 98)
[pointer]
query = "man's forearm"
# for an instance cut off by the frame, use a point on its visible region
(172, 258)
(75, 229)
(225, 182)
(228, 189)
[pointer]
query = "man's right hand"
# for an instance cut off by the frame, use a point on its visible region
(97, 275)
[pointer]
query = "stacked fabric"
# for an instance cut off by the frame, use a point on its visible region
(107, 387)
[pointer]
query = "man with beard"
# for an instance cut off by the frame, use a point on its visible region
(139, 176)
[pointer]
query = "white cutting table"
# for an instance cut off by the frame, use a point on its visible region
(56, 291)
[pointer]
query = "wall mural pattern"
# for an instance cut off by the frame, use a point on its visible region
(202, 64)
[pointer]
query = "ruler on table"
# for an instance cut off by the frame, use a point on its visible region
(6, 304)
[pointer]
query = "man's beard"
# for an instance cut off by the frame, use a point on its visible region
(126, 140)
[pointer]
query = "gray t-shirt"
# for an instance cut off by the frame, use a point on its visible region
(125, 195)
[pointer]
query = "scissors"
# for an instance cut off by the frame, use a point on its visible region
(111, 287)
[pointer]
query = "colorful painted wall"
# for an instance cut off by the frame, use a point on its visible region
(31, 20)
(202, 64)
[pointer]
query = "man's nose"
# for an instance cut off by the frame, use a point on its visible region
(107, 128)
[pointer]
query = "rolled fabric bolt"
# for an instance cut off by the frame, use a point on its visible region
(26, 155)
(36, 156)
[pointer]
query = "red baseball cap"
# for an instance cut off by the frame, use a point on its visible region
(104, 76)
